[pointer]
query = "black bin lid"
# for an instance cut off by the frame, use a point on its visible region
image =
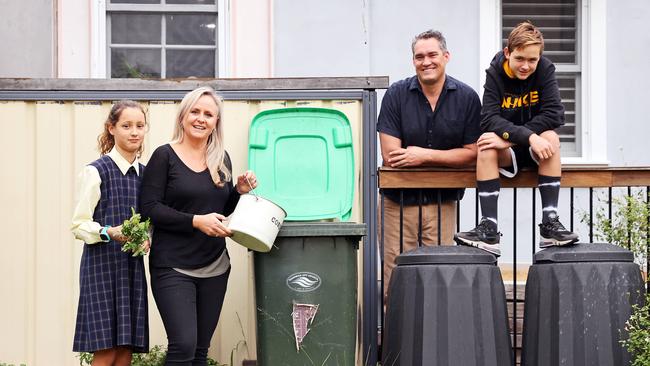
(584, 252)
(446, 254)
(312, 229)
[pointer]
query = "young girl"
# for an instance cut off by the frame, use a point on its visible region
(112, 314)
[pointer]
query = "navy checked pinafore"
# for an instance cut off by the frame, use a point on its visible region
(113, 296)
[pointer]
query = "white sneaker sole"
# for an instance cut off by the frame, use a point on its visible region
(490, 248)
(550, 242)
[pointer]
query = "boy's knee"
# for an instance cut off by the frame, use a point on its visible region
(487, 157)
(552, 137)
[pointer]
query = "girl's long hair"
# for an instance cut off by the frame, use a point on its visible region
(106, 141)
(215, 151)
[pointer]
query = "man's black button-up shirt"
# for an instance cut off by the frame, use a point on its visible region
(406, 114)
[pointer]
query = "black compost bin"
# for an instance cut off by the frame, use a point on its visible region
(446, 307)
(306, 294)
(578, 299)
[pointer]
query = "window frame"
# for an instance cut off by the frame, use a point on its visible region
(100, 33)
(591, 102)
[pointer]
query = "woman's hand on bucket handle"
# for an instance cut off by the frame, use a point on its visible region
(211, 224)
(246, 182)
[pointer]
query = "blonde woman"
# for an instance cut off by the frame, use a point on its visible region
(188, 191)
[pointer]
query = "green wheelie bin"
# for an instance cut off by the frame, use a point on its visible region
(306, 295)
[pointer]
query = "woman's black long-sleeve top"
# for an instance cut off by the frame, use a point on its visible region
(171, 194)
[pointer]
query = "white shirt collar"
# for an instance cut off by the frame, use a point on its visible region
(122, 163)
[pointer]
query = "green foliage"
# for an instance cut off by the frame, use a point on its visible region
(155, 357)
(638, 330)
(10, 364)
(136, 232)
(628, 227)
(132, 71)
(85, 358)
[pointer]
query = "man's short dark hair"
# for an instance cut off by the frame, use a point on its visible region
(430, 34)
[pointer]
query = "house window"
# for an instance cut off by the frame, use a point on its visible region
(559, 21)
(161, 38)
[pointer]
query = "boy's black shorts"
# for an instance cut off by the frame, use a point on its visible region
(522, 157)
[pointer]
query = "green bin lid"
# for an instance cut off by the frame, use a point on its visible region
(304, 162)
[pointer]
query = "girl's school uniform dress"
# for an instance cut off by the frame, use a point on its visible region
(112, 307)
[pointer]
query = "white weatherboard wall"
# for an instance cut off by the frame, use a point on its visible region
(627, 54)
(352, 38)
(27, 36)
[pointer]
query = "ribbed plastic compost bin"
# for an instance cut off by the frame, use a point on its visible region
(446, 307)
(306, 293)
(578, 299)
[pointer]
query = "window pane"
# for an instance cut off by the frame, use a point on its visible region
(200, 2)
(186, 63)
(135, 28)
(192, 29)
(135, 1)
(557, 19)
(135, 63)
(568, 132)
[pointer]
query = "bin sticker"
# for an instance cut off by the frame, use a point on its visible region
(302, 315)
(303, 281)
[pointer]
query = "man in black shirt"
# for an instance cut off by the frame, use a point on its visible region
(521, 109)
(430, 119)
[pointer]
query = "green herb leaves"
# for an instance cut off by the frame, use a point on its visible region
(136, 233)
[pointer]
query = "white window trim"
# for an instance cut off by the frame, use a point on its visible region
(98, 39)
(593, 84)
(223, 38)
(593, 98)
(489, 36)
(98, 57)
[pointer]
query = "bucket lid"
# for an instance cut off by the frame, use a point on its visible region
(446, 254)
(304, 161)
(584, 252)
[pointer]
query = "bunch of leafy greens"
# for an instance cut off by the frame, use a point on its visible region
(136, 232)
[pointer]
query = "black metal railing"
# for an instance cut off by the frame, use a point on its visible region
(590, 190)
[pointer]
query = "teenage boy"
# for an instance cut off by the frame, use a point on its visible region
(521, 109)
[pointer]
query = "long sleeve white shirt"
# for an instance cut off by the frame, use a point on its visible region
(83, 226)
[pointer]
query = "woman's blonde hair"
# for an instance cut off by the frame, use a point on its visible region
(215, 151)
(106, 141)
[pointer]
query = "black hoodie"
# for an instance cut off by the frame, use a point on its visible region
(515, 109)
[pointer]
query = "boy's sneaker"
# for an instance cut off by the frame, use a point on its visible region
(484, 236)
(553, 233)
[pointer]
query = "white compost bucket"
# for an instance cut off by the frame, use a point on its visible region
(255, 222)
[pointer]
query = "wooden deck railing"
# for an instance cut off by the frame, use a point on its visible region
(576, 177)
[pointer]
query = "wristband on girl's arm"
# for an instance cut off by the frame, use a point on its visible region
(103, 234)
